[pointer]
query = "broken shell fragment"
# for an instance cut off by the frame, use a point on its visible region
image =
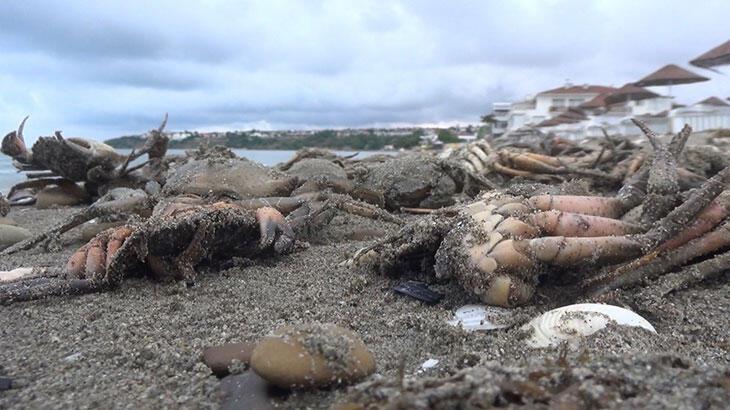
(14, 274)
(571, 323)
(480, 317)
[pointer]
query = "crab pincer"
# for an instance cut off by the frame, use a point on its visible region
(275, 230)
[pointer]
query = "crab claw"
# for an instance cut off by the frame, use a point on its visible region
(275, 230)
(93, 259)
(14, 144)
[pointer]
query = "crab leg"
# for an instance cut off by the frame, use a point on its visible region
(14, 146)
(285, 205)
(693, 274)
(519, 173)
(705, 221)
(567, 251)
(38, 288)
(634, 190)
(683, 215)
(669, 227)
(558, 223)
(704, 245)
(107, 205)
(588, 205)
(275, 230)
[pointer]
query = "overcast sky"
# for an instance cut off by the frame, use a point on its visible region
(101, 69)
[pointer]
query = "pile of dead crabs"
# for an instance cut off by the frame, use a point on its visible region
(501, 218)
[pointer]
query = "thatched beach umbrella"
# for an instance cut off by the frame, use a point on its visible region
(629, 92)
(718, 56)
(670, 75)
(714, 101)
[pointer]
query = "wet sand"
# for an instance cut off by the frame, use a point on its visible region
(140, 345)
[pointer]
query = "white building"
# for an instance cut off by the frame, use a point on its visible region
(543, 106)
(577, 112)
(709, 114)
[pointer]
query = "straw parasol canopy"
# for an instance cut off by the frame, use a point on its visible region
(670, 75)
(718, 56)
(629, 92)
(714, 101)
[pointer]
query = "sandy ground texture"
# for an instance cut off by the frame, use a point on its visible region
(139, 346)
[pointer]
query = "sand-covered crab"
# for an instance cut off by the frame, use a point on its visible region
(412, 181)
(605, 163)
(169, 245)
(57, 164)
(498, 247)
(220, 176)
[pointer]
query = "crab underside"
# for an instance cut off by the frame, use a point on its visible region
(499, 247)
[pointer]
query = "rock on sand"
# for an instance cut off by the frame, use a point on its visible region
(312, 355)
(10, 234)
(218, 358)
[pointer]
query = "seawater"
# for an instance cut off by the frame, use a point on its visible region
(9, 175)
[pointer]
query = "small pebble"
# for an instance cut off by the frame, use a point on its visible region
(5, 383)
(312, 355)
(53, 196)
(246, 391)
(218, 358)
(6, 220)
(10, 235)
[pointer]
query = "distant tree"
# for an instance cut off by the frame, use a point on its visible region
(487, 119)
(447, 137)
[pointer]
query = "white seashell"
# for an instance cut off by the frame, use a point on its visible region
(479, 317)
(428, 364)
(11, 275)
(571, 323)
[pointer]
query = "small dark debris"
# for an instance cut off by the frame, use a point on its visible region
(419, 290)
(248, 391)
(5, 383)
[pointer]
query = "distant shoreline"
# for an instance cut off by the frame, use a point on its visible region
(328, 139)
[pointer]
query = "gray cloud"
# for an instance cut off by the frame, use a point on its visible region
(106, 68)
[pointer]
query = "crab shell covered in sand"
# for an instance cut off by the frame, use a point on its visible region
(496, 248)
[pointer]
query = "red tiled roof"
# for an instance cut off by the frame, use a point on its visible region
(629, 92)
(719, 55)
(572, 115)
(717, 102)
(596, 102)
(669, 75)
(578, 89)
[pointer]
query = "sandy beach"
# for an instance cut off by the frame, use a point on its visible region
(139, 346)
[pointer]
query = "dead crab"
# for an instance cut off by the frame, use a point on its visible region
(250, 184)
(207, 210)
(168, 246)
(411, 182)
(498, 247)
(605, 163)
(61, 163)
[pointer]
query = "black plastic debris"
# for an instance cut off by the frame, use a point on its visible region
(5, 383)
(419, 290)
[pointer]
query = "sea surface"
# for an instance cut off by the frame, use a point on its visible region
(9, 175)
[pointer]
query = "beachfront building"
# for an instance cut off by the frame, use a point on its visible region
(577, 112)
(709, 114)
(543, 106)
